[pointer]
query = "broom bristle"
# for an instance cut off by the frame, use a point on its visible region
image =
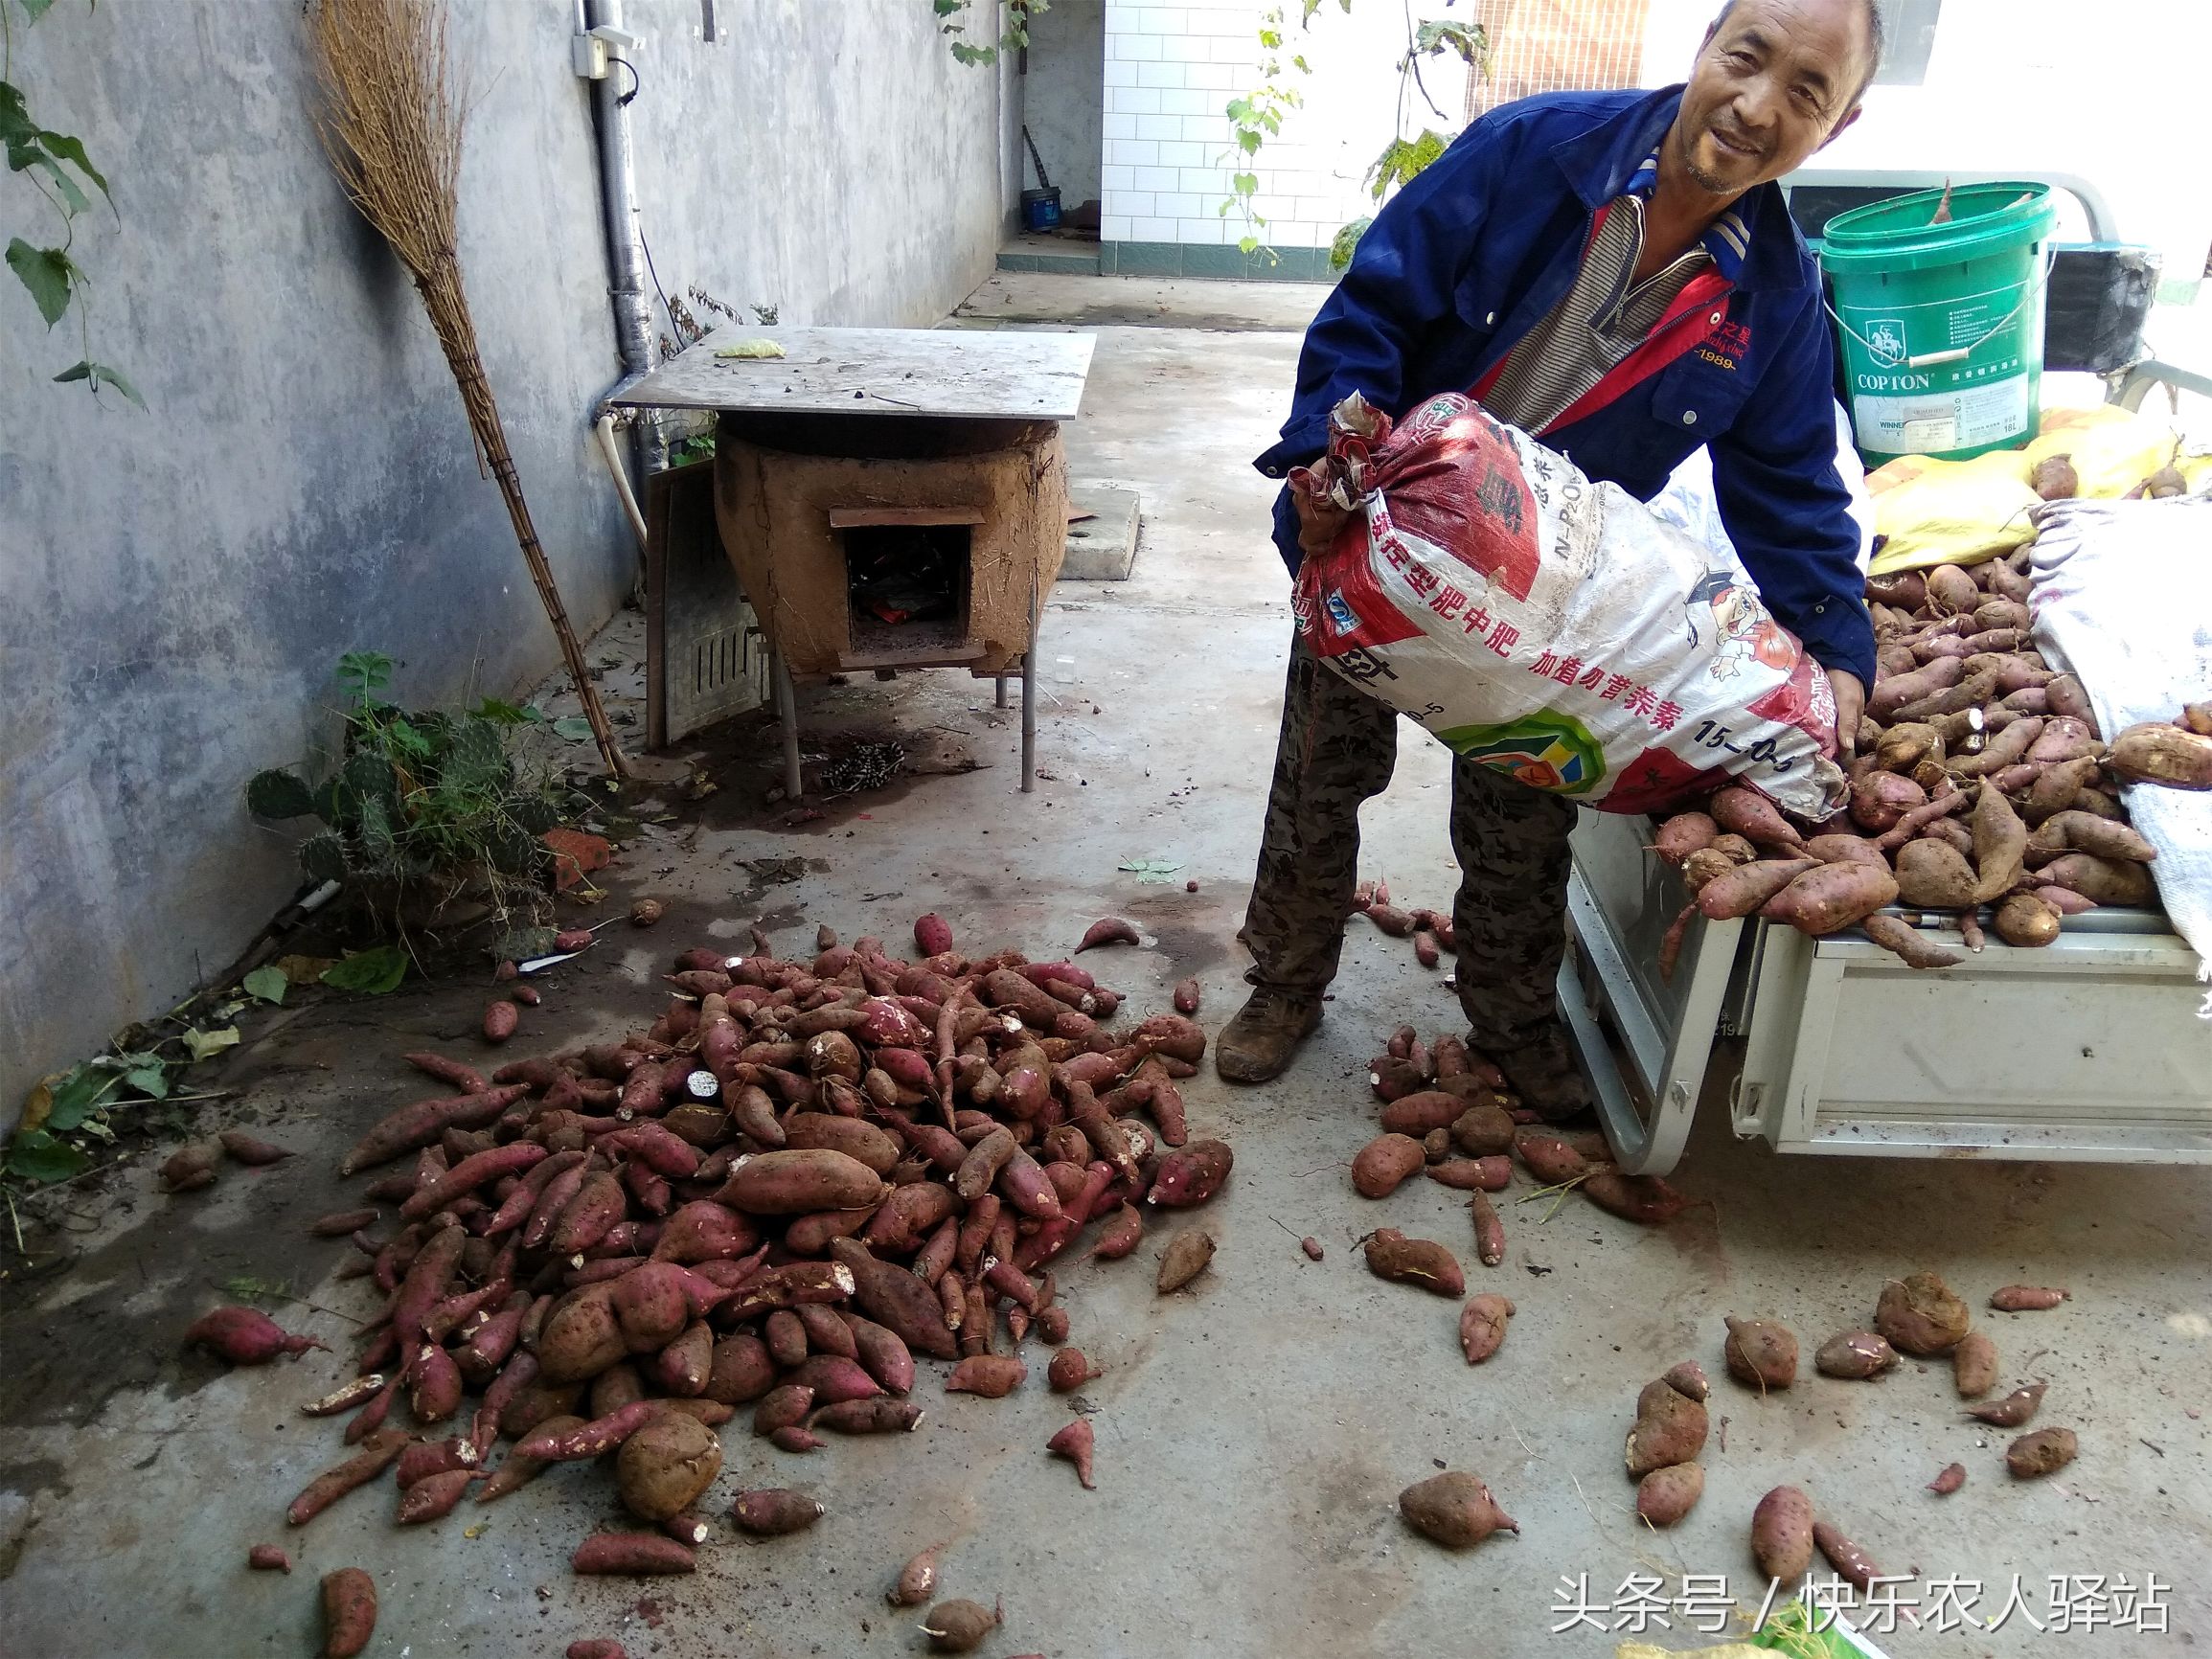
(389, 121)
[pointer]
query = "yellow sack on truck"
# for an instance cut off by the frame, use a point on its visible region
(1931, 512)
(2113, 450)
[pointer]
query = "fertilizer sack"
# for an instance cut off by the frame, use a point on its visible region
(1552, 629)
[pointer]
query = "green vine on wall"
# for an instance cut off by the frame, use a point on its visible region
(1014, 38)
(1258, 116)
(56, 167)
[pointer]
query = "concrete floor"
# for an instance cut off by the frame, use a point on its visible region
(1252, 1434)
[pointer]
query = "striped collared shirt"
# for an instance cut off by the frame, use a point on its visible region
(1608, 313)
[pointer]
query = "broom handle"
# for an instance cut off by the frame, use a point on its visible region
(491, 435)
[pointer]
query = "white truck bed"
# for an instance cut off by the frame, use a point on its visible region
(2092, 1048)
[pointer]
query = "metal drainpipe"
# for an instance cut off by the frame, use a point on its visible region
(625, 247)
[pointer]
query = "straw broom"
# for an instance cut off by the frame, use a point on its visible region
(393, 132)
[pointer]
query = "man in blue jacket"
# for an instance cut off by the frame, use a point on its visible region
(1618, 274)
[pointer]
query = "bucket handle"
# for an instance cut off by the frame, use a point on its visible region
(1957, 353)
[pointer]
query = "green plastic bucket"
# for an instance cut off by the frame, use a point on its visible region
(1942, 325)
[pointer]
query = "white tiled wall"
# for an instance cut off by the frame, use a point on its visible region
(1170, 73)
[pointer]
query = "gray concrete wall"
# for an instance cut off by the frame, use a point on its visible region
(175, 585)
(1064, 95)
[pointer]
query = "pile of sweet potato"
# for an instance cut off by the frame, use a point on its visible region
(1980, 782)
(1446, 1113)
(805, 1176)
(1430, 930)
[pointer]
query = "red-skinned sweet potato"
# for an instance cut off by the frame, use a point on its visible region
(1191, 1175)
(1782, 1534)
(2043, 1452)
(1920, 1315)
(2170, 756)
(1455, 1509)
(1482, 1326)
(1384, 1164)
(1419, 1261)
(794, 1181)
(641, 1555)
(349, 1612)
(2015, 1409)
(1075, 1443)
(665, 1464)
(1665, 1495)
(1855, 1356)
(245, 1336)
(1761, 1352)
(379, 1450)
(1647, 1199)
(1744, 889)
(1669, 1428)
(1831, 896)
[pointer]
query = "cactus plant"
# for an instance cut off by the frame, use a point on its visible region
(418, 800)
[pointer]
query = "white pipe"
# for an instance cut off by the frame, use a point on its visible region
(625, 245)
(612, 450)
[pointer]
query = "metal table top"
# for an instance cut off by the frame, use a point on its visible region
(969, 373)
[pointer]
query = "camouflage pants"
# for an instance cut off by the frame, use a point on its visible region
(1337, 748)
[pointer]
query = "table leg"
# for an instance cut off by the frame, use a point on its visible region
(1029, 694)
(788, 713)
(1002, 690)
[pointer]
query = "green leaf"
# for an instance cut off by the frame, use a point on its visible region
(1149, 869)
(100, 375)
(15, 123)
(1245, 183)
(81, 1094)
(202, 1043)
(574, 727)
(501, 712)
(63, 148)
(34, 8)
(1440, 35)
(276, 793)
(245, 1288)
(48, 273)
(35, 1155)
(407, 740)
(362, 675)
(1347, 240)
(268, 984)
(75, 198)
(149, 1080)
(373, 971)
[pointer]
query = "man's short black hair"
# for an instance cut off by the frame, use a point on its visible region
(1876, 40)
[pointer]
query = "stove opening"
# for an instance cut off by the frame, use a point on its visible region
(907, 589)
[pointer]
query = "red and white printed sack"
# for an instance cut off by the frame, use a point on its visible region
(1552, 629)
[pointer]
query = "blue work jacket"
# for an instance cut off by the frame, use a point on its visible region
(1476, 250)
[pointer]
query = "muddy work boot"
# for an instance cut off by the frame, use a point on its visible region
(1258, 1044)
(1545, 1074)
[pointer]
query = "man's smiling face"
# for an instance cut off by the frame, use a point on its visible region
(1776, 79)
